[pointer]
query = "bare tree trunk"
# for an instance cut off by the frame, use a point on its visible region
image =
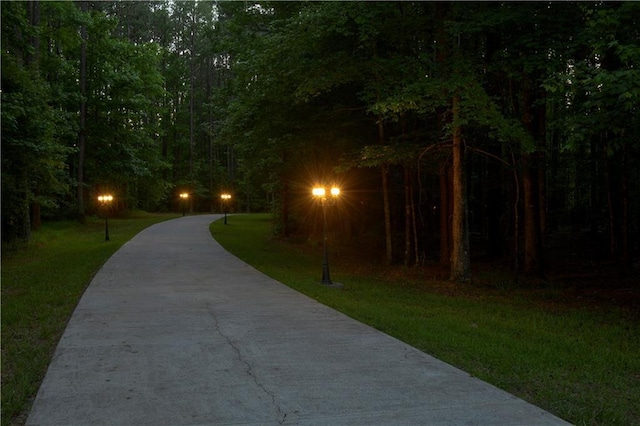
(33, 9)
(414, 221)
(82, 135)
(516, 218)
(35, 216)
(387, 213)
(407, 216)
(531, 253)
(460, 261)
(34, 20)
(594, 200)
(611, 204)
(624, 194)
(192, 130)
(532, 229)
(286, 231)
(541, 137)
(386, 200)
(442, 12)
(445, 215)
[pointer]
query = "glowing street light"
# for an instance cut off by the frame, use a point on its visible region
(104, 201)
(225, 199)
(184, 197)
(319, 193)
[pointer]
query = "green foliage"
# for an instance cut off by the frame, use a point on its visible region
(603, 87)
(33, 153)
(126, 90)
(41, 97)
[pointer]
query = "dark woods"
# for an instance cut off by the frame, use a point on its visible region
(458, 131)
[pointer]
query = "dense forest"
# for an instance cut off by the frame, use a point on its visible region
(456, 130)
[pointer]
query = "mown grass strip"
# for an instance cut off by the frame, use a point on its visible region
(41, 285)
(578, 363)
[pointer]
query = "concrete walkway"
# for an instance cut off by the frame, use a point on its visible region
(173, 330)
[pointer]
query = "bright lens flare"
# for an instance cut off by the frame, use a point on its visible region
(318, 192)
(105, 198)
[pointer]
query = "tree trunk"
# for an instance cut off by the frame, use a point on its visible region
(36, 217)
(192, 91)
(82, 135)
(191, 117)
(414, 220)
(21, 227)
(624, 195)
(613, 240)
(286, 231)
(532, 229)
(33, 60)
(624, 226)
(407, 216)
(386, 199)
(442, 12)
(387, 213)
(460, 261)
(594, 199)
(211, 140)
(212, 191)
(541, 138)
(34, 20)
(516, 218)
(495, 210)
(445, 215)
(531, 252)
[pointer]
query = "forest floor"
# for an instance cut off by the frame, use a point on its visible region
(579, 268)
(576, 274)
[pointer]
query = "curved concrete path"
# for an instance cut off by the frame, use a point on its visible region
(174, 330)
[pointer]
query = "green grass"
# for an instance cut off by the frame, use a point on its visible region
(41, 285)
(580, 362)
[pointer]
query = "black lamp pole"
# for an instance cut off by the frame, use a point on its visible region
(326, 279)
(225, 199)
(325, 201)
(185, 199)
(106, 225)
(104, 202)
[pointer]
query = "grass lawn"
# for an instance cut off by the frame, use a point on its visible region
(41, 285)
(578, 360)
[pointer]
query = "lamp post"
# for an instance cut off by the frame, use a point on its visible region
(320, 194)
(184, 197)
(105, 200)
(225, 199)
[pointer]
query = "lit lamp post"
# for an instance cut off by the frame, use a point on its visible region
(325, 201)
(225, 199)
(184, 197)
(105, 200)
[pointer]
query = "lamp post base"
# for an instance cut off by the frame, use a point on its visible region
(331, 284)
